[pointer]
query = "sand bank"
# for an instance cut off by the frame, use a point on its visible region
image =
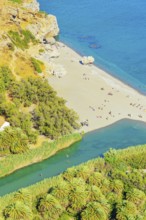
(94, 94)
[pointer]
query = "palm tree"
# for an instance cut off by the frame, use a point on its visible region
(49, 207)
(69, 174)
(84, 172)
(141, 217)
(99, 164)
(126, 210)
(77, 182)
(65, 216)
(18, 211)
(15, 140)
(105, 187)
(96, 179)
(94, 211)
(105, 205)
(135, 178)
(94, 193)
(122, 215)
(37, 217)
(113, 198)
(130, 207)
(77, 199)
(117, 186)
(136, 196)
(24, 196)
(61, 192)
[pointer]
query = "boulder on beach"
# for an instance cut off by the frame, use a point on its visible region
(87, 60)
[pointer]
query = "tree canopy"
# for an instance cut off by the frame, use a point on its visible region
(108, 193)
(33, 107)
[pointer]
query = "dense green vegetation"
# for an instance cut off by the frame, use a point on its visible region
(23, 38)
(133, 157)
(6, 78)
(16, 161)
(13, 140)
(95, 190)
(32, 108)
(109, 188)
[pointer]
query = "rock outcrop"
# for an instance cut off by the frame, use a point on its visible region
(33, 6)
(87, 60)
(25, 16)
(41, 25)
(44, 28)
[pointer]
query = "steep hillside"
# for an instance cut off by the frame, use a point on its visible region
(25, 33)
(28, 104)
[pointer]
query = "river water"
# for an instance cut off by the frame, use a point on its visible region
(119, 135)
(114, 32)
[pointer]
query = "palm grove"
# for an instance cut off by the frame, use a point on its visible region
(32, 108)
(109, 188)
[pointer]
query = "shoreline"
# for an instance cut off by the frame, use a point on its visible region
(106, 71)
(94, 94)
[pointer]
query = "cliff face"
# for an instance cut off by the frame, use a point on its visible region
(25, 32)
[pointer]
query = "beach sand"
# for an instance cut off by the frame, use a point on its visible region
(94, 94)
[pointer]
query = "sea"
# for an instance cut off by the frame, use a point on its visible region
(112, 31)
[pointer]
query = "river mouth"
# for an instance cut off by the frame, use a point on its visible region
(119, 135)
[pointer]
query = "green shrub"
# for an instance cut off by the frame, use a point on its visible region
(22, 39)
(6, 76)
(41, 50)
(13, 140)
(37, 65)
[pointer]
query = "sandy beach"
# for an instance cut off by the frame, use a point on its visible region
(96, 96)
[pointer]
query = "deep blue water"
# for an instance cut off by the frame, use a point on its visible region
(122, 134)
(116, 28)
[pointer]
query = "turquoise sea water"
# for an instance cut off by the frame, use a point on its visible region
(119, 135)
(113, 31)
(118, 29)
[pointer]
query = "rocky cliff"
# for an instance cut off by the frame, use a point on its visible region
(25, 34)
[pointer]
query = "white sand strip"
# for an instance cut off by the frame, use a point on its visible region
(94, 94)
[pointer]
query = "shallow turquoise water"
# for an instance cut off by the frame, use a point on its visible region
(116, 27)
(120, 135)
